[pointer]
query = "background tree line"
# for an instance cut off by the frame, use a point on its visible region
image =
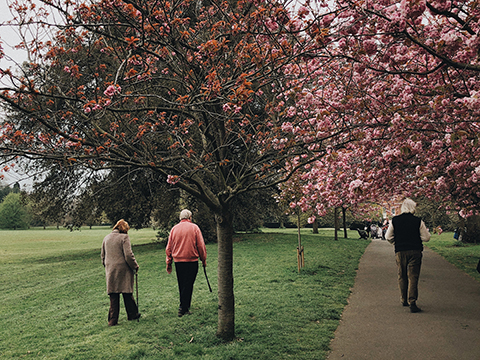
(137, 196)
(146, 201)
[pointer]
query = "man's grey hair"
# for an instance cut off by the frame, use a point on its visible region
(408, 206)
(185, 214)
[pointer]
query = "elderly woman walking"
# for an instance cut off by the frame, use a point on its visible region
(120, 267)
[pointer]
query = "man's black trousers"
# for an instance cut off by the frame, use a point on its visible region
(186, 275)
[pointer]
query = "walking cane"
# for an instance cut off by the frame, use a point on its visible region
(136, 287)
(206, 277)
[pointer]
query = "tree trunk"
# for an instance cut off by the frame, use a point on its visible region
(335, 213)
(226, 302)
(345, 235)
(315, 226)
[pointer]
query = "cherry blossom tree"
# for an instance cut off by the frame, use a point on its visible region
(419, 65)
(404, 75)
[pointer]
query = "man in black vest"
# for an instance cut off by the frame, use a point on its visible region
(407, 232)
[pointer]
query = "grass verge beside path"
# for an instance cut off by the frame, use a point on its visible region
(463, 256)
(54, 304)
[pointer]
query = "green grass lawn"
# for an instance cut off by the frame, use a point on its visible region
(463, 256)
(54, 304)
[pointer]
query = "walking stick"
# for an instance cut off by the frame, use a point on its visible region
(206, 277)
(136, 287)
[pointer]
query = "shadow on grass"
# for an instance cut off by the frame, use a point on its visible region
(70, 256)
(94, 254)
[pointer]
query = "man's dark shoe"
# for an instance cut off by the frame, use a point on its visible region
(135, 317)
(181, 312)
(405, 303)
(414, 308)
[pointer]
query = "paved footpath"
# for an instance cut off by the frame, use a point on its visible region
(375, 326)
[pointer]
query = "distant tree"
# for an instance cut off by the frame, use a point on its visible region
(85, 211)
(138, 196)
(32, 209)
(4, 191)
(38, 212)
(202, 216)
(253, 208)
(143, 198)
(251, 211)
(433, 215)
(13, 214)
(165, 215)
(472, 233)
(53, 197)
(16, 188)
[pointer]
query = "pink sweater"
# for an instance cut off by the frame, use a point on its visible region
(185, 243)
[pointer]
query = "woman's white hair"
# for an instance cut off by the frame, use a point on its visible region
(408, 206)
(185, 214)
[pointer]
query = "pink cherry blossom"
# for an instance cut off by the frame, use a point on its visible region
(112, 90)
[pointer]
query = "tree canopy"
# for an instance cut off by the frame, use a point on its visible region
(405, 76)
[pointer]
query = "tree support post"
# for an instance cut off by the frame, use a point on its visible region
(300, 258)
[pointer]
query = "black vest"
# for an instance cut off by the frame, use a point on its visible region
(406, 232)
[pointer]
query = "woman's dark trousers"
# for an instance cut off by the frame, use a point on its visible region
(130, 307)
(186, 275)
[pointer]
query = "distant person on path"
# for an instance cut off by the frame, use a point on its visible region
(367, 227)
(185, 246)
(407, 232)
(120, 267)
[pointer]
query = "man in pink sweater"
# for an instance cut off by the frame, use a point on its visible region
(185, 247)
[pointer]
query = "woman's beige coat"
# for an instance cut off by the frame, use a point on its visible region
(119, 262)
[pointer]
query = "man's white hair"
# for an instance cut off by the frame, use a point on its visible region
(185, 214)
(408, 206)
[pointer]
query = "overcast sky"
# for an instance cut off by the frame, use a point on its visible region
(8, 36)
